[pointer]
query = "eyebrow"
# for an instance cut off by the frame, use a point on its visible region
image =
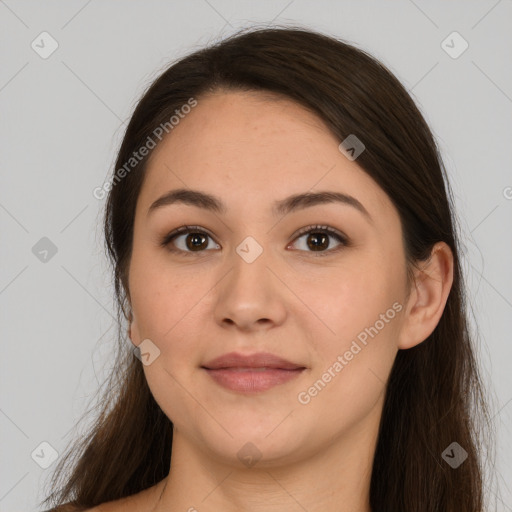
(281, 207)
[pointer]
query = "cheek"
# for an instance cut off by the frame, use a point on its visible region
(355, 328)
(349, 298)
(170, 310)
(352, 367)
(161, 297)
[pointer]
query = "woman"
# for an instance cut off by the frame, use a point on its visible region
(282, 235)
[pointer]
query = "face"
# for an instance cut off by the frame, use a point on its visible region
(245, 279)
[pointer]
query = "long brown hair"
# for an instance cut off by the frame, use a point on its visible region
(434, 396)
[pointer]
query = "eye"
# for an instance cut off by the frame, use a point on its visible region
(196, 240)
(317, 239)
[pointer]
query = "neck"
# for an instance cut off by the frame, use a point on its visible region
(335, 477)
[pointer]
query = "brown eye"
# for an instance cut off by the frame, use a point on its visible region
(318, 239)
(195, 240)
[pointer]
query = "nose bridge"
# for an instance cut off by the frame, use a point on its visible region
(250, 250)
(249, 292)
(250, 261)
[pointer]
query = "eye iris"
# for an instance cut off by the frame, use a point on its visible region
(316, 236)
(193, 238)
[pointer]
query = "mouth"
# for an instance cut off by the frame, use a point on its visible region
(250, 379)
(249, 373)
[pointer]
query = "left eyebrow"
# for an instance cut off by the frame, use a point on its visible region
(280, 208)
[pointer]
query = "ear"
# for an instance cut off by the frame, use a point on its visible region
(432, 284)
(133, 330)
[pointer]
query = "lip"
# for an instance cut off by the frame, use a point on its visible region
(253, 372)
(258, 360)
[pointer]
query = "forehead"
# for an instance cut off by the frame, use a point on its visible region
(251, 149)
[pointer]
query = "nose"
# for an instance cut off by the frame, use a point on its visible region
(250, 296)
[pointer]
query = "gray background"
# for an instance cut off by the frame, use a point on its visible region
(63, 118)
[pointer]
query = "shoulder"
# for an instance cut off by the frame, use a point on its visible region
(140, 502)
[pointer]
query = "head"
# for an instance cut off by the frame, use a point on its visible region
(254, 283)
(373, 308)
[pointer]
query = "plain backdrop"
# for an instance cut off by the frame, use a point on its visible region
(62, 119)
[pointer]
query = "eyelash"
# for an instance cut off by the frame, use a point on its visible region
(166, 241)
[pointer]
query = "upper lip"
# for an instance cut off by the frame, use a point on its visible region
(259, 360)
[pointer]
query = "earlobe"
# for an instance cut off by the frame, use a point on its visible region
(432, 285)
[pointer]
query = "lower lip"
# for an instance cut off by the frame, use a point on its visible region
(248, 381)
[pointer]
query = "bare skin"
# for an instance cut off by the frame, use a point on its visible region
(316, 453)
